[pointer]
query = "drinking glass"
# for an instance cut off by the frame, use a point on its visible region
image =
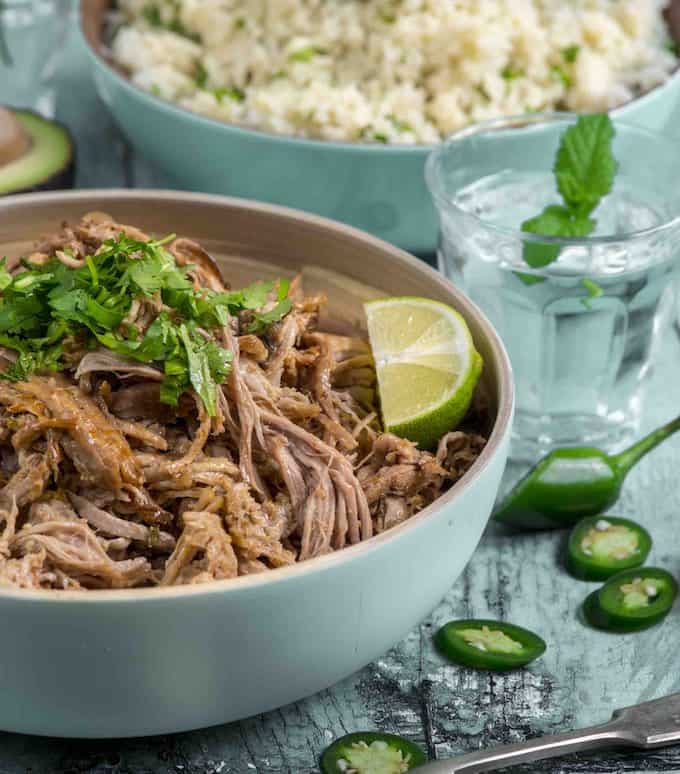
(32, 37)
(582, 331)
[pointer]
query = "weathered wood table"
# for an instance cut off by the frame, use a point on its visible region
(583, 676)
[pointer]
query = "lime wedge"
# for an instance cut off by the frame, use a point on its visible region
(426, 363)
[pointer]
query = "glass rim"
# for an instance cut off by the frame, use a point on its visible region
(520, 121)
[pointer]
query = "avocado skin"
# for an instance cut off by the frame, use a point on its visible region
(62, 178)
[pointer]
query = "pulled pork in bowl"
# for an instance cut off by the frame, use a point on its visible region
(251, 458)
(258, 445)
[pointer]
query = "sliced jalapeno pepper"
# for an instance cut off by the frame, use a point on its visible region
(632, 600)
(371, 753)
(490, 645)
(602, 546)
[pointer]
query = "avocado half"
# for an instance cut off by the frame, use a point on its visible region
(36, 154)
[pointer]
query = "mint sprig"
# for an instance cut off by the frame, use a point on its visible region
(584, 170)
(585, 166)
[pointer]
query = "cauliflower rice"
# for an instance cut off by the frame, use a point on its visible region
(391, 71)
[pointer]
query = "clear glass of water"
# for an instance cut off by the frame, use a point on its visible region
(581, 363)
(32, 36)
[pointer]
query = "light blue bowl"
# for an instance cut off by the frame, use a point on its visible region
(378, 188)
(150, 661)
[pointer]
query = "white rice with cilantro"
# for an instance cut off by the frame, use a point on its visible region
(396, 71)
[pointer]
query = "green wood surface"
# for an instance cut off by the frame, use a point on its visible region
(583, 676)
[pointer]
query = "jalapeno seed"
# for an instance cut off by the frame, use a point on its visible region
(602, 546)
(369, 752)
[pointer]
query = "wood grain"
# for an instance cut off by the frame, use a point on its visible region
(411, 691)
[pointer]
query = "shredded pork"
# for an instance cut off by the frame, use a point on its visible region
(105, 486)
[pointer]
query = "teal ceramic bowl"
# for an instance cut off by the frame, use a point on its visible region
(151, 661)
(378, 188)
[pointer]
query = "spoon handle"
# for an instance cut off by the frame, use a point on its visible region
(607, 735)
(646, 726)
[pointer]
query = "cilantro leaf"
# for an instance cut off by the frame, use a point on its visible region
(255, 296)
(570, 53)
(42, 304)
(233, 93)
(29, 362)
(305, 54)
(282, 290)
(5, 276)
(199, 372)
(201, 76)
(560, 74)
(261, 321)
(585, 166)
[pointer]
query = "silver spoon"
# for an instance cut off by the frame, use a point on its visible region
(644, 726)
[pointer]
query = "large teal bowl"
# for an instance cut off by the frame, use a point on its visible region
(150, 661)
(378, 188)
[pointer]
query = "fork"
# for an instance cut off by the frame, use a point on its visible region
(644, 726)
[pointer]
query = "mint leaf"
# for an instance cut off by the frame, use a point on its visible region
(594, 291)
(585, 166)
(558, 221)
(529, 279)
(584, 170)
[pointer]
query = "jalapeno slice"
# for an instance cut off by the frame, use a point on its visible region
(368, 752)
(490, 645)
(602, 546)
(632, 600)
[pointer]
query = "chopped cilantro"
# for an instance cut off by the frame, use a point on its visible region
(152, 15)
(5, 276)
(261, 321)
(560, 74)
(305, 54)
(570, 53)
(380, 137)
(481, 90)
(41, 305)
(398, 124)
(230, 93)
(201, 76)
(674, 47)
(510, 73)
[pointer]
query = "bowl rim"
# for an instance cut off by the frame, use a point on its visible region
(172, 108)
(90, 199)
